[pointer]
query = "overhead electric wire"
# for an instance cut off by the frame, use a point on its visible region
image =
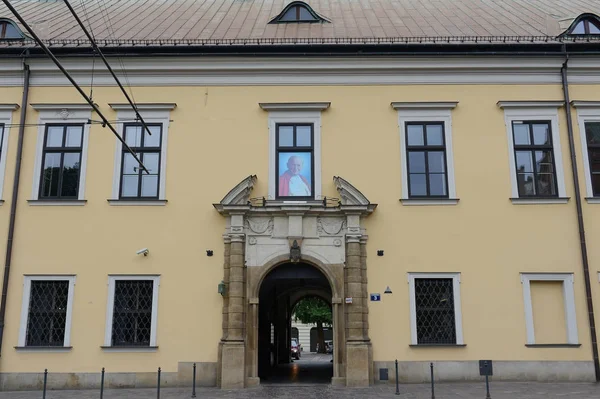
(68, 76)
(97, 49)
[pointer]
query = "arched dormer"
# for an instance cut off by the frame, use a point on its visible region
(297, 12)
(585, 24)
(9, 30)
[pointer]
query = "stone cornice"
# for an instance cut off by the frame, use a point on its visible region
(144, 106)
(305, 106)
(530, 104)
(424, 105)
(59, 106)
(9, 107)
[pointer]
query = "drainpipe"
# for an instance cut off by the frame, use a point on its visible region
(584, 255)
(13, 204)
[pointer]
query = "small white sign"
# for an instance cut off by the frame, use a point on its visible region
(349, 300)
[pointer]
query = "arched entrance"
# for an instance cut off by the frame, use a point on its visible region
(279, 292)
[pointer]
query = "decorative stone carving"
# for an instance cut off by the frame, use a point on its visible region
(331, 226)
(260, 226)
(348, 193)
(337, 242)
(240, 194)
(64, 113)
(252, 241)
(295, 252)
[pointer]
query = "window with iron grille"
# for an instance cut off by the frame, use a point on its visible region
(592, 135)
(61, 159)
(47, 314)
(135, 182)
(426, 153)
(534, 158)
(435, 318)
(132, 313)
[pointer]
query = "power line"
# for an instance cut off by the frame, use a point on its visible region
(68, 76)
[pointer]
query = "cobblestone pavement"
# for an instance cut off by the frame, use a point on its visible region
(498, 390)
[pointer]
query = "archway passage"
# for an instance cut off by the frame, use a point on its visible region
(279, 292)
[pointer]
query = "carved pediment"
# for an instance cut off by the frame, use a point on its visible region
(349, 194)
(240, 194)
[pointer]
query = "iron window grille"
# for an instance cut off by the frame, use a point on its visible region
(592, 135)
(426, 160)
(132, 313)
(434, 300)
(61, 157)
(292, 138)
(135, 182)
(47, 313)
(534, 158)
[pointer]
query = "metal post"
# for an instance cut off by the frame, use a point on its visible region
(102, 384)
(487, 387)
(194, 382)
(397, 387)
(432, 383)
(158, 385)
(45, 381)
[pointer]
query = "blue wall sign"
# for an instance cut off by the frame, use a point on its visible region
(375, 297)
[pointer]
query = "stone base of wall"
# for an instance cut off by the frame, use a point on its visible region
(456, 371)
(206, 376)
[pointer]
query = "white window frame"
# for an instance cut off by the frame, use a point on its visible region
(295, 113)
(515, 111)
(152, 114)
(60, 114)
(25, 308)
(110, 303)
(413, 304)
(569, 302)
(6, 111)
(427, 112)
(587, 111)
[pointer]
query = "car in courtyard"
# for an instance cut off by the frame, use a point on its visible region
(295, 350)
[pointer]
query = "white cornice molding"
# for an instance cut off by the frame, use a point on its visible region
(144, 106)
(585, 104)
(425, 105)
(9, 107)
(305, 106)
(59, 106)
(530, 104)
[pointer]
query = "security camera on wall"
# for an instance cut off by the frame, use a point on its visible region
(143, 251)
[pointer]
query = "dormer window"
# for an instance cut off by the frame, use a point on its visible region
(8, 30)
(297, 11)
(585, 24)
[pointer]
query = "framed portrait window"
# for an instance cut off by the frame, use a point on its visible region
(294, 146)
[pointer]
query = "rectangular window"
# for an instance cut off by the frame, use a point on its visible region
(592, 135)
(46, 311)
(294, 160)
(426, 160)
(135, 182)
(132, 311)
(61, 161)
(534, 159)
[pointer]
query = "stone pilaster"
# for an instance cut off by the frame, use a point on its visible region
(354, 311)
(225, 322)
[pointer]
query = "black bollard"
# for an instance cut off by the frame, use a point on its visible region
(45, 381)
(194, 382)
(397, 387)
(432, 383)
(102, 384)
(158, 385)
(487, 387)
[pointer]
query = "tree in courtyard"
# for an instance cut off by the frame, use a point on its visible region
(314, 310)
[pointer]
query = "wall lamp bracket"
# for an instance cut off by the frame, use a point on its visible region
(222, 288)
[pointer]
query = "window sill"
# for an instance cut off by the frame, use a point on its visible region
(134, 202)
(129, 348)
(540, 200)
(552, 345)
(43, 348)
(593, 200)
(437, 345)
(429, 201)
(69, 202)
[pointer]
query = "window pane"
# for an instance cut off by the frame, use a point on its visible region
(594, 30)
(415, 134)
(416, 162)
(11, 32)
(154, 139)
(436, 162)
(50, 175)
(74, 134)
(303, 136)
(55, 136)
(290, 15)
(546, 184)
(434, 306)
(149, 185)
(418, 185)
(526, 184)
(579, 28)
(150, 161)
(524, 161)
(435, 135)
(70, 178)
(305, 15)
(595, 166)
(541, 135)
(437, 184)
(592, 132)
(132, 313)
(46, 319)
(286, 136)
(130, 186)
(543, 162)
(596, 184)
(521, 134)
(130, 165)
(133, 136)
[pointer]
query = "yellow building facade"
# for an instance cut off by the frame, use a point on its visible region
(445, 180)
